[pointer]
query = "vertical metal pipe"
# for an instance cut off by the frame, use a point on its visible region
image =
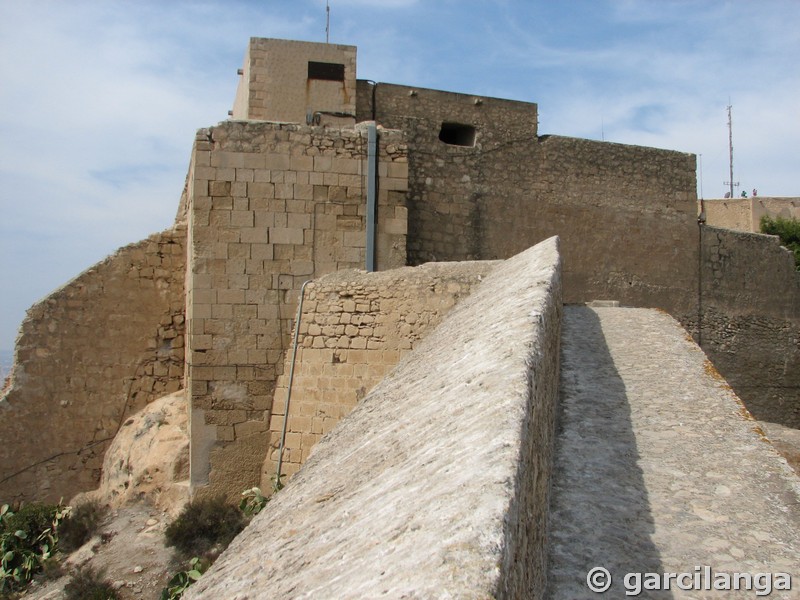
(289, 387)
(372, 192)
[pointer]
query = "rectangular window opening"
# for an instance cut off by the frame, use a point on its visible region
(325, 71)
(457, 134)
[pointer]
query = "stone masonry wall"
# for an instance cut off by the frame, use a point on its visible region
(437, 484)
(354, 328)
(626, 215)
(274, 83)
(89, 355)
(448, 186)
(751, 320)
(744, 214)
(271, 206)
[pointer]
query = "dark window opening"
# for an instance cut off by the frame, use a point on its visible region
(326, 71)
(457, 134)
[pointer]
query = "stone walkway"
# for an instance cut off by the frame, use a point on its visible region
(660, 470)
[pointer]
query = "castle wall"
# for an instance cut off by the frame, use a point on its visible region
(744, 214)
(433, 484)
(88, 356)
(626, 215)
(355, 327)
(751, 320)
(451, 186)
(271, 206)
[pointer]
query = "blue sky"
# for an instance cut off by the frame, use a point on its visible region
(99, 100)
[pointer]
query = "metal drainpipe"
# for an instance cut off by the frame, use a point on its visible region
(372, 192)
(289, 387)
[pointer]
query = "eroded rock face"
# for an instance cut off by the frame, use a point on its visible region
(148, 459)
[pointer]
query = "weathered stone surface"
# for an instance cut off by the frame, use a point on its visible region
(355, 327)
(659, 467)
(88, 356)
(250, 251)
(436, 484)
(148, 461)
(744, 214)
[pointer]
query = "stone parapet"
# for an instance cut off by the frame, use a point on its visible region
(437, 484)
(744, 214)
(355, 327)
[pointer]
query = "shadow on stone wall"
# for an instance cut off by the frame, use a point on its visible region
(598, 485)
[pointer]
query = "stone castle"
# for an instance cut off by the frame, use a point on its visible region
(317, 173)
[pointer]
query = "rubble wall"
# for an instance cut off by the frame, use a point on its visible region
(355, 327)
(626, 215)
(89, 355)
(750, 312)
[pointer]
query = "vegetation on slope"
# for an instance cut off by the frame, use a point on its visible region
(788, 230)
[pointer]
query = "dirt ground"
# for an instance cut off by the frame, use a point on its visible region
(129, 548)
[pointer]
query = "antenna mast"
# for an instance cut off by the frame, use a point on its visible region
(730, 182)
(327, 21)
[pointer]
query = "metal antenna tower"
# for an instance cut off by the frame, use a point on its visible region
(327, 21)
(730, 182)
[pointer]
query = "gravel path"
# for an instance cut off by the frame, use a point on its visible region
(659, 469)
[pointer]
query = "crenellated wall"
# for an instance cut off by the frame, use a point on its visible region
(89, 355)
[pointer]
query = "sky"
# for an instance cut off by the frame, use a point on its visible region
(100, 99)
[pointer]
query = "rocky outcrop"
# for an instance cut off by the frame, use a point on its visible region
(148, 461)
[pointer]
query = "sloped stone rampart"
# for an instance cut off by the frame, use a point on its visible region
(436, 485)
(89, 355)
(354, 329)
(659, 468)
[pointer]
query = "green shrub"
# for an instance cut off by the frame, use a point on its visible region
(205, 526)
(28, 539)
(80, 525)
(183, 579)
(253, 502)
(88, 584)
(788, 230)
(31, 518)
